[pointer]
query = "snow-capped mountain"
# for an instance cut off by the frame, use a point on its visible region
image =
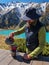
(13, 11)
(10, 6)
(1, 8)
(4, 8)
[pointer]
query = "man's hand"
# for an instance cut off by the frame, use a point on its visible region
(11, 35)
(27, 57)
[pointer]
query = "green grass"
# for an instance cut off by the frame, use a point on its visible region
(22, 46)
(46, 50)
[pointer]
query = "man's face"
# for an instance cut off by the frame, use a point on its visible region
(31, 21)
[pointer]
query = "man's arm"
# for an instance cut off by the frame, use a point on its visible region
(19, 31)
(42, 39)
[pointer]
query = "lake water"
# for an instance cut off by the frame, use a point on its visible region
(7, 32)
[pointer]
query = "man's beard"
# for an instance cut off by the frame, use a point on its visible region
(33, 23)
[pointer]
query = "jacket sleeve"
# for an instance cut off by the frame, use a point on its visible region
(20, 31)
(42, 40)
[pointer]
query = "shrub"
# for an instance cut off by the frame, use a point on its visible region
(46, 50)
(22, 46)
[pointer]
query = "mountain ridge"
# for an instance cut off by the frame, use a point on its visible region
(11, 13)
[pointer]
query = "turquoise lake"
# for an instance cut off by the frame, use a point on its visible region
(7, 32)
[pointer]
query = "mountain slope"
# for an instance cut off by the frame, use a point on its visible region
(11, 13)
